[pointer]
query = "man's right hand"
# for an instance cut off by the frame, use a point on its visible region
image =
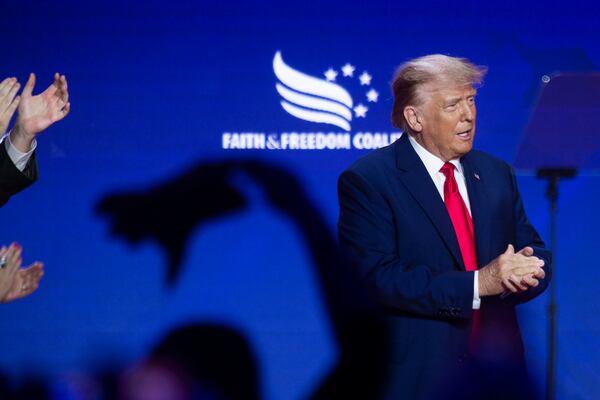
(511, 271)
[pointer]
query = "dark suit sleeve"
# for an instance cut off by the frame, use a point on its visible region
(526, 235)
(11, 179)
(368, 236)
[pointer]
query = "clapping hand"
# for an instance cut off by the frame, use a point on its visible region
(511, 272)
(17, 282)
(36, 113)
(9, 101)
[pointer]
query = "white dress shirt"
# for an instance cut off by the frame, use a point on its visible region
(18, 158)
(433, 164)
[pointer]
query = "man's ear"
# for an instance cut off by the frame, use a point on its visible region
(411, 115)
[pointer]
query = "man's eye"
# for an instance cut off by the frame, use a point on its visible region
(451, 106)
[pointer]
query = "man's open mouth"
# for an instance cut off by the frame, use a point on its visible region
(465, 134)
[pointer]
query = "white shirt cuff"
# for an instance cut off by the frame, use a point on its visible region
(476, 299)
(18, 158)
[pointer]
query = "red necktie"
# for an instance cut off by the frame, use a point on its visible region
(463, 227)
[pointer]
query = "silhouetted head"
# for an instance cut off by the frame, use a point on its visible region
(195, 362)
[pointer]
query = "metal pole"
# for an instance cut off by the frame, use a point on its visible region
(552, 195)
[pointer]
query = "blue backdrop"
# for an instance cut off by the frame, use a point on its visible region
(157, 86)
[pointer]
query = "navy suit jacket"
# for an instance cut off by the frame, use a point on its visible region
(394, 225)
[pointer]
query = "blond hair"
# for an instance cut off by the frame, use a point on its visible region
(413, 75)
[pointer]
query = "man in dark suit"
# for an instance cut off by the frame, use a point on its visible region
(440, 234)
(18, 167)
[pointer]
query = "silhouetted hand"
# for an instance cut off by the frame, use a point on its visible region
(168, 212)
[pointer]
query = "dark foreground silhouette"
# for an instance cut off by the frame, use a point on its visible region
(209, 191)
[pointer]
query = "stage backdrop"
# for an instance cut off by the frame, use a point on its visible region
(159, 86)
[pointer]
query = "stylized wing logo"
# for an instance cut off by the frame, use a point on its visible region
(312, 99)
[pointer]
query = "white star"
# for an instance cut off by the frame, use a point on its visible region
(360, 111)
(348, 70)
(330, 74)
(365, 78)
(372, 95)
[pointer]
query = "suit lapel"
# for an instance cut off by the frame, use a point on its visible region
(416, 180)
(476, 190)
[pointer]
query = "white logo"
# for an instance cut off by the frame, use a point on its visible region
(320, 100)
(323, 101)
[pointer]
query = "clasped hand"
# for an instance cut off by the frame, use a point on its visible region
(511, 272)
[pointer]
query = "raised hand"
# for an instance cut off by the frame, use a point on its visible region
(36, 113)
(9, 101)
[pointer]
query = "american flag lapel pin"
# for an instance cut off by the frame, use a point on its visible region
(477, 176)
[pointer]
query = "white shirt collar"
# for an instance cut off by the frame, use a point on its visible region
(432, 163)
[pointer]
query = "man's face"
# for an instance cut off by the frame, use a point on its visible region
(447, 120)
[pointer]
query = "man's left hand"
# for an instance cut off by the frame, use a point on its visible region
(36, 113)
